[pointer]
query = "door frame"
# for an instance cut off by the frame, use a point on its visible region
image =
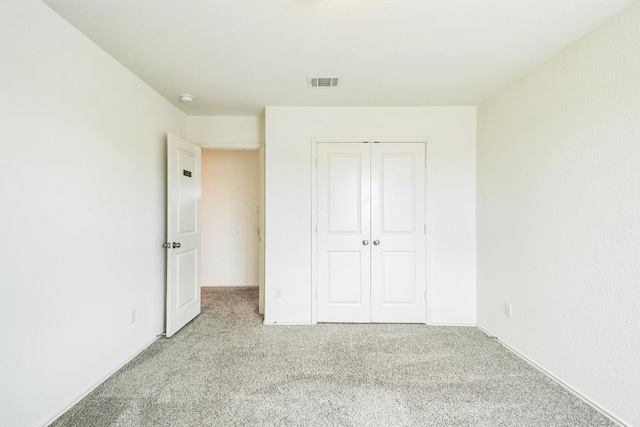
(261, 254)
(314, 209)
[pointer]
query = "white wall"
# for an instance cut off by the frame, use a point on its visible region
(82, 173)
(450, 193)
(230, 220)
(226, 131)
(559, 216)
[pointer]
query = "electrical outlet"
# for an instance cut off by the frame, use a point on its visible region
(508, 310)
(133, 315)
(278, 293)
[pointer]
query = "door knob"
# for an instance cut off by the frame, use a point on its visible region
(176, 245)
(167, 245)
(365, 242)
(376, 242)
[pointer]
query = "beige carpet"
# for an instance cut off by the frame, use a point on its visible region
(226, 369)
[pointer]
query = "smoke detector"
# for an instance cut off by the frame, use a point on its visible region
(185, 97)
(313, 82)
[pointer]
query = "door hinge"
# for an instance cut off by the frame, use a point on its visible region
(425, 295)
(316, 228)
(316, 162)
(425, 229)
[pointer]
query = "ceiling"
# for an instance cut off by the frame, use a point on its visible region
(238, 56)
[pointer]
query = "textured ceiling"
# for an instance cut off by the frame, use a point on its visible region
(238, 56)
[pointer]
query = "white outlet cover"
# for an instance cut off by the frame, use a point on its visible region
(508, 310)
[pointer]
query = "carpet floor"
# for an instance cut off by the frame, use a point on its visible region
(226, 369)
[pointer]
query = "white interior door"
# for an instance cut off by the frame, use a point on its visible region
(343, 233)
(371, 241)
(398, 263)
(183, 233)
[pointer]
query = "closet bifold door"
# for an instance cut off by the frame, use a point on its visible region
(398, 263)
(344, 257)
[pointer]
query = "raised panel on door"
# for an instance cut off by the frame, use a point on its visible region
(343, 225)
(398, 274)
(345, 277)
(187, 193)
(186, 276)
(398, 277)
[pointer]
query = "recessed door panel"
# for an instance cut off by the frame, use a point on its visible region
(187, 192)
(345, 278)
(188, 288)
(397, 192)
(398, 277)
(345, 186)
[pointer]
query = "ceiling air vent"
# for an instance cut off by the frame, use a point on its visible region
(323, 81)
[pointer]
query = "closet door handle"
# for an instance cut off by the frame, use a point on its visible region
(365, 242)
(176, 245)
(376, 242)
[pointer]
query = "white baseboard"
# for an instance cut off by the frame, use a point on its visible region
(242, 285)
(274, 323)
(96, 384)
(556, 379)
(466, 325)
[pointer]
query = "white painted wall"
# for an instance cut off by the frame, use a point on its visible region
(559, 216)
(451, 184)
(233, 132)
(82, 172)
(229, 217)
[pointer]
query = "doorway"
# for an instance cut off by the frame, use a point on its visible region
(231, 212)
(371, 222)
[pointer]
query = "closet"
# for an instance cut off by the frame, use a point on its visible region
(371, 261)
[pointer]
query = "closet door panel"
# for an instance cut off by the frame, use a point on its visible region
(398, 263)
(344, 260)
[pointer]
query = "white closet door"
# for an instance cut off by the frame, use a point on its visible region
(343, 233)
(398, 264)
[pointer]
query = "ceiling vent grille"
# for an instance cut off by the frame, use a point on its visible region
(323, 81)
